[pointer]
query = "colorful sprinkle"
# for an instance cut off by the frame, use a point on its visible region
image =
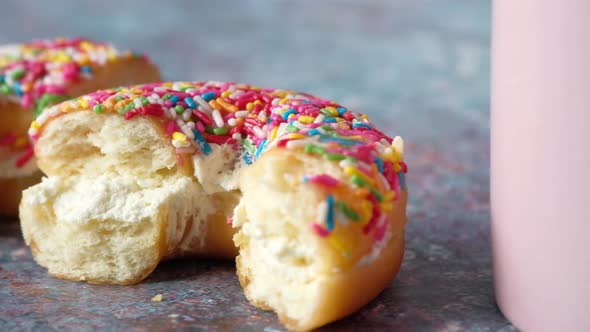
(402, 180)
(379, 163)
(208, 96)
(190, 102)
(98, 108)
(220, 131)
(319, 230)
(205, 147)
(330, 214)
(260, 148)
(322, 179)
(350, 213)
(360, 125)
(285, 115)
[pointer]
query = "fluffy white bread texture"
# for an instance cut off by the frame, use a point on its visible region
(111, 209)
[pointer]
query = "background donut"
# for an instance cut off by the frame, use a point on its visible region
(41, 73)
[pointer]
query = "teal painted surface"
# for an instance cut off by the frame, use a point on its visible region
(418, 68)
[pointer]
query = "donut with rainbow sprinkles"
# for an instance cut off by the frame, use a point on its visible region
(307, 194)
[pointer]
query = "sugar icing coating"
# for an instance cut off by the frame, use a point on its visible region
(198, 114)
(37, 75)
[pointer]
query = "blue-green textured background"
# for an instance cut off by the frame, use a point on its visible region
(418, 68)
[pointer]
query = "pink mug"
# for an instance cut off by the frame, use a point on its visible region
(540, 162)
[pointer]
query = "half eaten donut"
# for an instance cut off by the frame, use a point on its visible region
(316, 194)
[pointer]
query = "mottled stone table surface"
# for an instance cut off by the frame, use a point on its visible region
(419, 68)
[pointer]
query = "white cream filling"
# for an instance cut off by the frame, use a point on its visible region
(218, 171)
(124, 198)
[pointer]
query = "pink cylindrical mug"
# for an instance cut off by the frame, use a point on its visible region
(540, 162)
